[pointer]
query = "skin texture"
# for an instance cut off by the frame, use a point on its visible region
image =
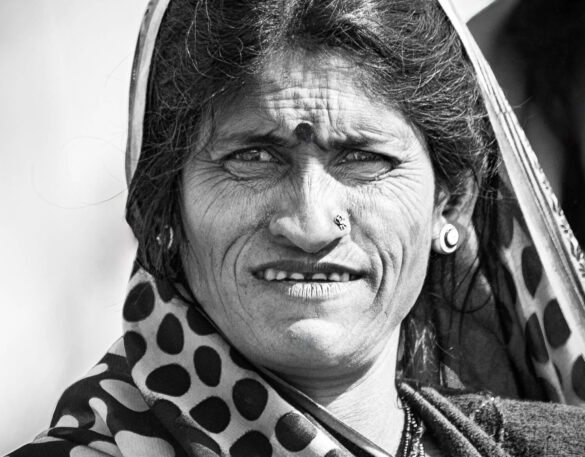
(304, 145)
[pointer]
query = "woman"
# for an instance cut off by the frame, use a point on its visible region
(319, 213)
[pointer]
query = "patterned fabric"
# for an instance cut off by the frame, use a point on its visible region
(189, 374)
(174, 387)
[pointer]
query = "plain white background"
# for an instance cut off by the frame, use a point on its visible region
(65, 250)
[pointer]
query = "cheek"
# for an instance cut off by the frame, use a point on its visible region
(219, 217)
(398, 211)
(395, 219)
(207, 226)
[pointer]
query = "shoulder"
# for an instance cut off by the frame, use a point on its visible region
(524, 427)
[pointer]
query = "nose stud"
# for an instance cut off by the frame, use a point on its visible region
(341, 222)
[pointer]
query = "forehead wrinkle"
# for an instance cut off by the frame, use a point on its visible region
(332, 103)
(307, 85)
(269, 126)
(330, 109)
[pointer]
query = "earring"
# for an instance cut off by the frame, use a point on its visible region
(448, 240)
(166, 237)
(340, 221)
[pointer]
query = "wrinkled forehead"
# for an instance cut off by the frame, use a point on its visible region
(321, 98)
(319, 75)
(299, 67)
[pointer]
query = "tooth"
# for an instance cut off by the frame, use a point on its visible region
(345, 277)
(280, 275)
(296, 276)
(334, 277)
(270, 274)
(319, 277)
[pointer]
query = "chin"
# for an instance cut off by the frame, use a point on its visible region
(311, 344)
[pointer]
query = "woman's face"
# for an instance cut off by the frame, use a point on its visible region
(286, 285)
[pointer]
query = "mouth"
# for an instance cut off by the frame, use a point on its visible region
(273, 274)
(310, 281)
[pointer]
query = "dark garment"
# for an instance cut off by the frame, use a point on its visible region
(470, 424)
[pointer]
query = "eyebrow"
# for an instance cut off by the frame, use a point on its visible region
(272, 138)
(259, 138)
(353, 141)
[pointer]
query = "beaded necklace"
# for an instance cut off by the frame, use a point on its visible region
(413, 432)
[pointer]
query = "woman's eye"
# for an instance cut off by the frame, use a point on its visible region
(252, 155)
(253, 164)
(363, 156)
(366, 166)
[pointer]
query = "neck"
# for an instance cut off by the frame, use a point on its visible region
(367, 402)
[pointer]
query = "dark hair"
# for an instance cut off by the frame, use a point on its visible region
(207, 50)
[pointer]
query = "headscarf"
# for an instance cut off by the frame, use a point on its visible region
(175, 386)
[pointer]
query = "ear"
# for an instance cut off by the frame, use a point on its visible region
(454, 208)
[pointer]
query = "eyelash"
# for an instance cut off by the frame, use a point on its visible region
(373, 157)
(233, 155)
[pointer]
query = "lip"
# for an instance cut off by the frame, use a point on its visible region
(309, 267)
(310, 291)
(307, 290)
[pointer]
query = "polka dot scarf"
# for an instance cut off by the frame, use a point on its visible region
(203, 391)
(172, 386)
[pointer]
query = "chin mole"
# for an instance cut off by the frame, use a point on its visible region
(304, 132)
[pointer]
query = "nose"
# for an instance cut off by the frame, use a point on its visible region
(309, 218)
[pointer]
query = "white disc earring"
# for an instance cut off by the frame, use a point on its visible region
(448, 239)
